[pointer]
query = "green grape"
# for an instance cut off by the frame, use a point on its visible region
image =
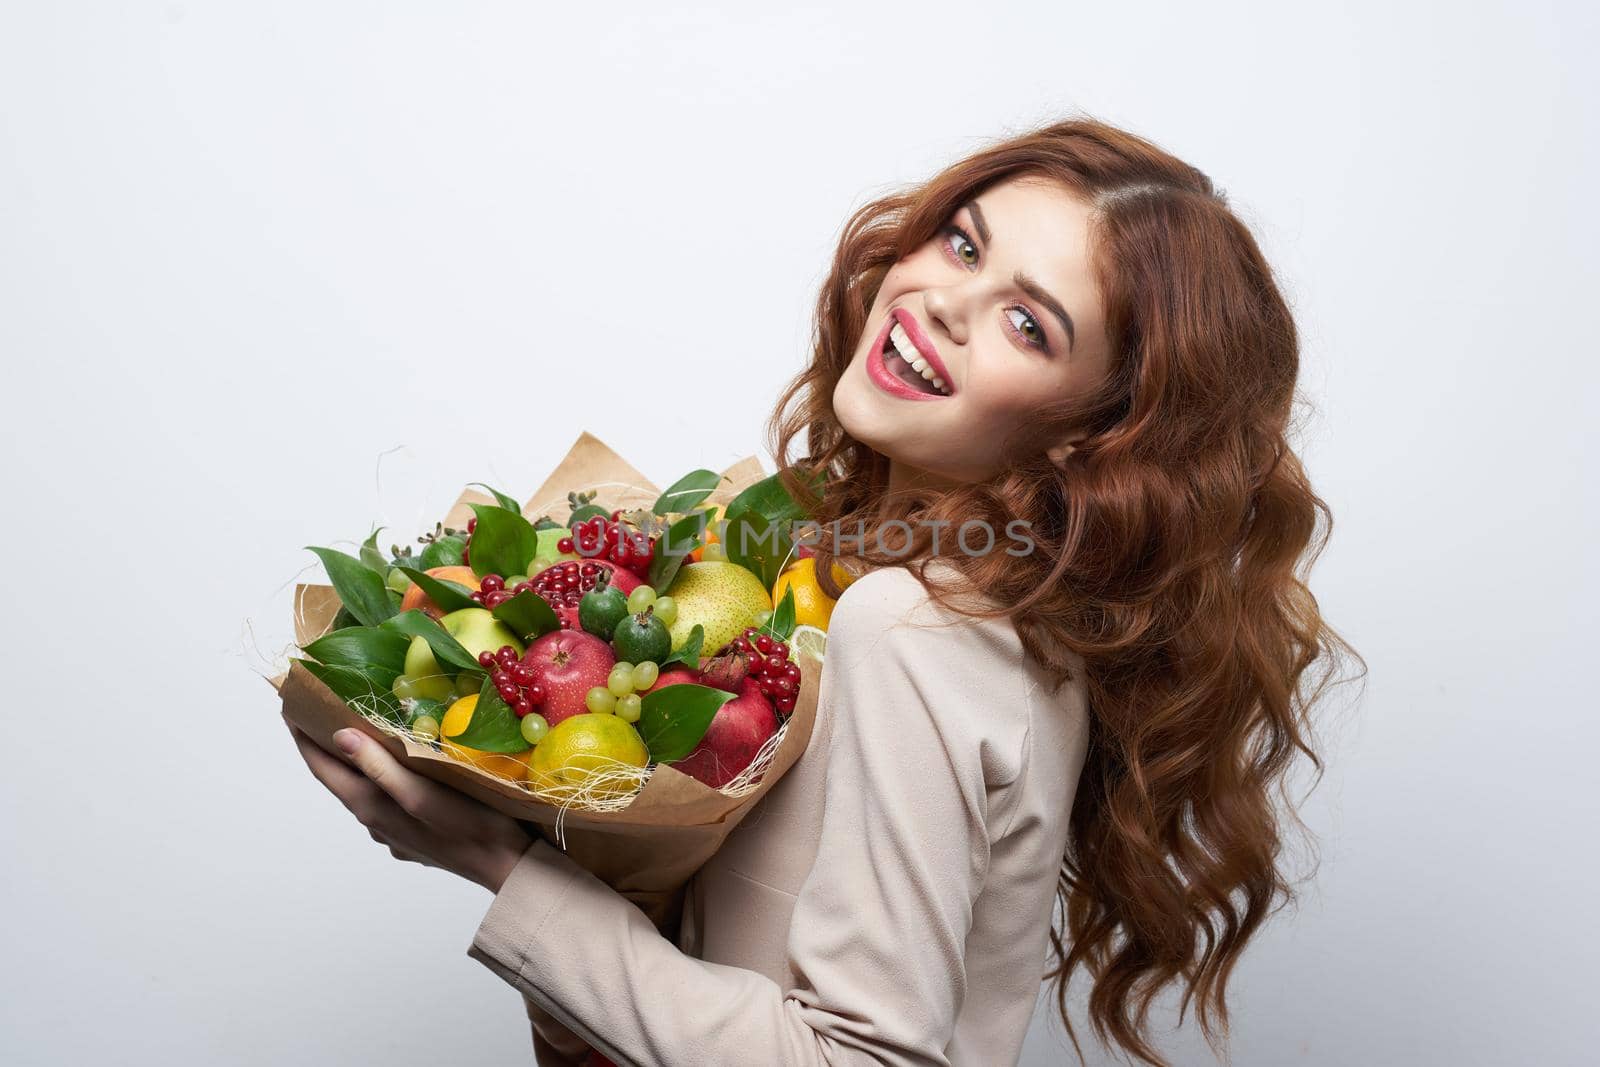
(515, 580)
(468, 683)
(641, 598)
(629, 707)
(396, 579)
(406, 688)
(534, 727)
(667, 610)
(645, 675)
(621, 681)
(425, 727)
(715, 552)
(601, 700)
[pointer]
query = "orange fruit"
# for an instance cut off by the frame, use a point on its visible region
(415, 598)
(812, 607)
(456, 721)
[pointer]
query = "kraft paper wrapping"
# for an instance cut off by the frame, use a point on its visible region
(647, 851)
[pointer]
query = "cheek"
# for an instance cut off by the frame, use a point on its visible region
(1001, 401)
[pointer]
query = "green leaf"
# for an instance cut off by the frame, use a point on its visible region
(689, 653)
(362, 647)
(505, 502)
(360, 588)
(781, 625)
(494, 727)
(450, 596)
(686, 492)
(371, 556)
(769, 499)
(447, 650)
(503, 542)
(759, 545)
(356, 689)
(423, 706)
(528, 615)
(674, 718)
(673, 548)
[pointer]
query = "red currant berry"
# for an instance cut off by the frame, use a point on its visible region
(564, 545)
(521, 707)
(505, 655)
(536, 693)
(486, 659)
(763, 644)
(472, 525)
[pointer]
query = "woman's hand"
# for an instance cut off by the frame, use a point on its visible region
(420, 820)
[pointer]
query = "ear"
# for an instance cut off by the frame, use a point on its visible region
(1058, 453)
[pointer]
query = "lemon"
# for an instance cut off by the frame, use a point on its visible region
(456, 721)
(812, 607)
(580, 746)
(722, 597)
(808, 641)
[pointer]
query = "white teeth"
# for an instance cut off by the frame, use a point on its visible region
(908, 352)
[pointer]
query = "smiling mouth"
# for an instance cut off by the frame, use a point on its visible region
(901, 358)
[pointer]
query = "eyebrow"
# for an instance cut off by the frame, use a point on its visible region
(1025, 283)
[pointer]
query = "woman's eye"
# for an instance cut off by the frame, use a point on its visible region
(957, 240)
(1031, 334)
(963, 244)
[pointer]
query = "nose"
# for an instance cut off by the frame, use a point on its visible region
(945, 307)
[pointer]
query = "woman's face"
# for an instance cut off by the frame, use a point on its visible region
(982, 306)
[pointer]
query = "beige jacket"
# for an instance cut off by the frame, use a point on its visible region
(888, 902)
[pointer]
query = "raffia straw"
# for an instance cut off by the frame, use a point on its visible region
(607, 784)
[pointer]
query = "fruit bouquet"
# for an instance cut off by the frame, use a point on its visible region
(615, 669)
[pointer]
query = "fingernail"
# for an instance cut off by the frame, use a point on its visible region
(348, 741)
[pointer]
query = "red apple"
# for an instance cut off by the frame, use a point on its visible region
(568, 663)
(736, 734)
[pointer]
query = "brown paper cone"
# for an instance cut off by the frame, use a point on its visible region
(647, 851)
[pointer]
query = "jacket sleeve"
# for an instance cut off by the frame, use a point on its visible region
(879, 927)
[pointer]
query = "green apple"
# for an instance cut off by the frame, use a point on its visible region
(547, 551)
(479, 631)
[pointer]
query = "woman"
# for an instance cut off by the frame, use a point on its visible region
(1099, 370)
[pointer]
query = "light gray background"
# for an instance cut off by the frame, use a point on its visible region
(269, 272)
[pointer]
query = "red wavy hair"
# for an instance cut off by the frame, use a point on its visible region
(1172, 545)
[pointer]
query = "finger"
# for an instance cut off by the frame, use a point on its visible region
(414, 794)
(354, 790)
